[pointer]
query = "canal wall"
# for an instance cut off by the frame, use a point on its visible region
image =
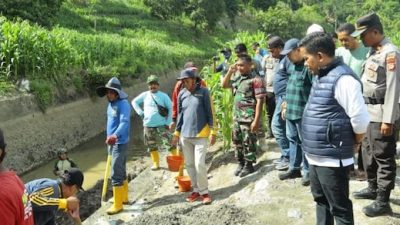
(33, 137)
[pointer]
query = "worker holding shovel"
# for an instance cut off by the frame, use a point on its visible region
(118, 126)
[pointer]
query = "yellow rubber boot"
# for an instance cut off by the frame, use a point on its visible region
(156, 160)
(118, 197)
(125, 199)
(181, 167)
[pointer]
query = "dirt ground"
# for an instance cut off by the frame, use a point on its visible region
(259, 198)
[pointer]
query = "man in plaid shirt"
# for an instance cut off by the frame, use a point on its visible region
(297, 92)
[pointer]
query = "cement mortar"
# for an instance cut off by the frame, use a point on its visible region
(33, 137)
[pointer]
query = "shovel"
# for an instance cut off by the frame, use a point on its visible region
(106, 175)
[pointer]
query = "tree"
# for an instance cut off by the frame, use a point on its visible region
(39, 11)
(205, 13)
(166, 9)
(232, 8)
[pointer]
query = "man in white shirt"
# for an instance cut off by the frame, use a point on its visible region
(334, 123)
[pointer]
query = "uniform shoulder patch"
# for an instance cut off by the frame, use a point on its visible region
(391, 61)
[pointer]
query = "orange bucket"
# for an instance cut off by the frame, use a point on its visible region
(174, 162)
(184, 183)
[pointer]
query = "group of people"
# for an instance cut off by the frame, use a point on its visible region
(323, 105)
(329, 104)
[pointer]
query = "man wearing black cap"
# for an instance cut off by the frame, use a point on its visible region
(297, 92)
(118, 127)
(381, 87)
(15, 207)
(224, 66)
(48, 195)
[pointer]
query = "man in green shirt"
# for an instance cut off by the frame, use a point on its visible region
(352, 52)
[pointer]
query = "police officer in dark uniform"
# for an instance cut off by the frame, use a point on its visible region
(381, 87)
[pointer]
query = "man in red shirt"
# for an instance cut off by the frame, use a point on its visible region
(15, 207)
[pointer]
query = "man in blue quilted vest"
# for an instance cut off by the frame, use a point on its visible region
(334, 122)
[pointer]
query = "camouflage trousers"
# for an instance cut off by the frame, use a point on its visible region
(157, 138)
(245, 142)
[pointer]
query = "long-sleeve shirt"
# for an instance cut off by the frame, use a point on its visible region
(146, 107)
(46, 198)
(297, 91)
(281, 78)
(178, 87)
(119, 120)
(196, 116)
(349, 96)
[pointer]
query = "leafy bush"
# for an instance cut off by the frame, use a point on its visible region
(43, 93)
(39, 11)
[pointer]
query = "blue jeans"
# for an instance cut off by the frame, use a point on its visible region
(296, 153)
(278, 127)
(118, 163)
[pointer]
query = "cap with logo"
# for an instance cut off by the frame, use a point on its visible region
(73, 176)
(366, 22)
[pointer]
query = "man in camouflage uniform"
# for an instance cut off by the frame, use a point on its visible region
(249, 94)
(381, 86)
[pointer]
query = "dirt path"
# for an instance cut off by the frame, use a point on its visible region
(260, 198)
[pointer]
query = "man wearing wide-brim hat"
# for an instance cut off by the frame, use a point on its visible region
(381, 88)
(118, 127)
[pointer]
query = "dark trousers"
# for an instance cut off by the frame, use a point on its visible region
(44, 217)
(379, 157)
(397, 127)
(270, 109)
(360, 162)
(330, 189)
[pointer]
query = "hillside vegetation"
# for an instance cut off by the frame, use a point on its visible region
(93, 40)
(72, 46)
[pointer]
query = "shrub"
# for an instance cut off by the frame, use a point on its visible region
(43, 93)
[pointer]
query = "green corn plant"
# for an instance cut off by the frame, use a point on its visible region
(223, 105)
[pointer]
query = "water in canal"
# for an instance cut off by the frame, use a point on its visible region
(91, 158)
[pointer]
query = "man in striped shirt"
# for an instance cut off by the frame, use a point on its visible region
(48, 195)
